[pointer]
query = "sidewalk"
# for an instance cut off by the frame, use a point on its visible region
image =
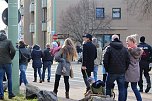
(77, 86)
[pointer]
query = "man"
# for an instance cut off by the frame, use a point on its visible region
(7, 53)
(89, 55)
(144, 64)
(116, 61)
(47, 62)
(98, 60)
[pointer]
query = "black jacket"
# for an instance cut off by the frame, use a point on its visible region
(116, 58)
(89, 55)
(147, 54)
(24, 55)
(47, 55)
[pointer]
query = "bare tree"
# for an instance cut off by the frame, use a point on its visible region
(141, 7)
(81, 18)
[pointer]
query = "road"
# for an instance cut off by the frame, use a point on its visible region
(77, 86)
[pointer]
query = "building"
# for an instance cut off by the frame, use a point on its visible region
(34, 22)
(45, 20)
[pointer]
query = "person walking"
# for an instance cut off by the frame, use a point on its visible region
(24, 58)
(116, 61)
(89, 55)
(7, 53)
(146, 58)
(132, 74)
(37, 63)
(98, 60)
(47, 62)
(66, 54)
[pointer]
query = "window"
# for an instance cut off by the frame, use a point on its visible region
(99, 13)
(116, 13)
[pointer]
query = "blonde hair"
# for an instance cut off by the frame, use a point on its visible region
(132, 38)
(69, 49)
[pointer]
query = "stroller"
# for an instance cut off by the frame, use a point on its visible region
(97, 89)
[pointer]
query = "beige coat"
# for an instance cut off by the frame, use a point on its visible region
(98, 60)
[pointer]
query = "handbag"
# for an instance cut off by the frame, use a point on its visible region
(71, 73)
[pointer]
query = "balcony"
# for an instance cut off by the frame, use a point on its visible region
(44, 26)
(32, 28)
(21, 29)
(32, 6)
(44, 3)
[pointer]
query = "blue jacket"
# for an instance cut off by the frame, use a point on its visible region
(36, 56)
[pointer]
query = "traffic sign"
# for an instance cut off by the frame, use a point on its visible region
(5, 16)
(55, 37)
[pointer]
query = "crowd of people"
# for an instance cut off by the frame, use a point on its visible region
(121, 64)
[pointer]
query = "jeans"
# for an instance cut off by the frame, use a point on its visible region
(23, 74)
(86, 74)
(120, 78)
(46, 65)
(135, 90)
(6, 68)
(95, 71)
(57, 80)
(39, 72)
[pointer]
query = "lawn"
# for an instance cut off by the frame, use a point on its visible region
(17, 98)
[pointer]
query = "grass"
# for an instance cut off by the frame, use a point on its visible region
(17, 98)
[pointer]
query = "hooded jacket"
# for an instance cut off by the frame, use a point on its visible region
(36, 56)
(133, 72)
(116, 58)
(7, 51)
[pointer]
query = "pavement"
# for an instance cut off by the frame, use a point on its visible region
(77, 86)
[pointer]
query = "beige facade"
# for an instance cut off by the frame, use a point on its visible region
(128, 24)
(49, 17)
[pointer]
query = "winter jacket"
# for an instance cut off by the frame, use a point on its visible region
(47, 55)
(98, 60)
(60, 57)
(133, 72)
(36, 56)
(7, 51)
(147, 54)
(116, 58)
(89, 55)
(24, 55)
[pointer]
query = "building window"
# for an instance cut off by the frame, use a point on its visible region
(116, 13)
(99, 13)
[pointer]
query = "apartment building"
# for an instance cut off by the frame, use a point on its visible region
(34, 22)
(49, 14)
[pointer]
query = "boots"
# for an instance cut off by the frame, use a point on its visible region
(67, 95)
(148, 87)
(35, 79)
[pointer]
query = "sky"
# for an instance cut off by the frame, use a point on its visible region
(3, 5)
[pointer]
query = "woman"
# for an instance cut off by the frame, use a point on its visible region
(37, 63)
(66, 54)
(132, 74)
(24, 58)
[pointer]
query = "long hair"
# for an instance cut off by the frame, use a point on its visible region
(69, 49)
(132, 38)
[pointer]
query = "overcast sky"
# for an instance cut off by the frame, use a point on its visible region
(3, 5)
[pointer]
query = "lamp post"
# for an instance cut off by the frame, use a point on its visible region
(13, 35)
(36, 23)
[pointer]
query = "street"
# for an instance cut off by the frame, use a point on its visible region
(77, 86)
